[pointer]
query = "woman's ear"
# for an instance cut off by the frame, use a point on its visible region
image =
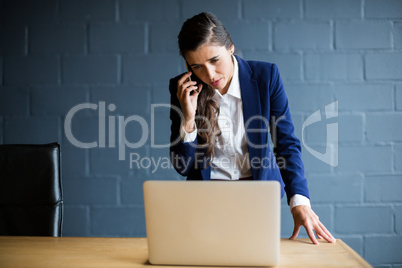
(232, 49)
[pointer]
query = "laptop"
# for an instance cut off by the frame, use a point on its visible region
(221, 223)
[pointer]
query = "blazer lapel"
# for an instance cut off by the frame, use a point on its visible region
(252, 113)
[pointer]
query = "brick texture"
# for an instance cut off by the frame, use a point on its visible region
(383, 188)
(309, 98)
(302, 35)
(350, 129)
(12, 40)
(31, 70)
(334, 67)
(354, 219)
(379, 129)
(398, 219)
(349, 185)
(43, 129)
(375, 9)
(56, 39)
(399, 97)
(163, 37)
(159, 96)
(128, 100)
(388, 253)
(244, 35)
(100, 156)
(365, 159)
(271, 9)
(119, 38)
(145, 69)
(94, 191)
(75, 161)
(87, 10)
(76, 221)
(384, 66)
(90, 69)
(358, 97)
(118, 55)
(14, 101)
(227, 9)
(398, 158)
(363, 35)
(312, 164)
(51, 100)
(398, 35)
(145, 10)
(289, 64)
(118, 221)
(28, 12)
(343, 9)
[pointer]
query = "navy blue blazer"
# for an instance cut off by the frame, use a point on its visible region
(265, 110)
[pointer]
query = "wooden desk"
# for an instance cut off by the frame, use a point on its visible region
(61, 252)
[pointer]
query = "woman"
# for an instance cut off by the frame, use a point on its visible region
(222, 111)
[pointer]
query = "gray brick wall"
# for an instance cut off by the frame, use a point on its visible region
(118, 55)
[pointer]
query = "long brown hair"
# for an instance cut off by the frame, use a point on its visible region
(205, 28)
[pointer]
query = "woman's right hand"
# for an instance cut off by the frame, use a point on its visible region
(187, 95)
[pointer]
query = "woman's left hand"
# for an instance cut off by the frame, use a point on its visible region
(305, 216)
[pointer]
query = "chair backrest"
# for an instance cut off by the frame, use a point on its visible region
(31, 200)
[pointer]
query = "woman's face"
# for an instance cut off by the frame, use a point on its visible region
(213, 65)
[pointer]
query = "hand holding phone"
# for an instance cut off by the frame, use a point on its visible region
(188, 70)
(188, 90)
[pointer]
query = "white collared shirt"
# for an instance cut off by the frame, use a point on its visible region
(231, 160)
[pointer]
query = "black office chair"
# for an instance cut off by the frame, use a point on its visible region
(31, 200)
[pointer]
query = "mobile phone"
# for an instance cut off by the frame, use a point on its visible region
(188, 68)
(197, 80)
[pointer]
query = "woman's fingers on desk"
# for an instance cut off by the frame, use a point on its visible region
(305, 216)
(324, 233)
